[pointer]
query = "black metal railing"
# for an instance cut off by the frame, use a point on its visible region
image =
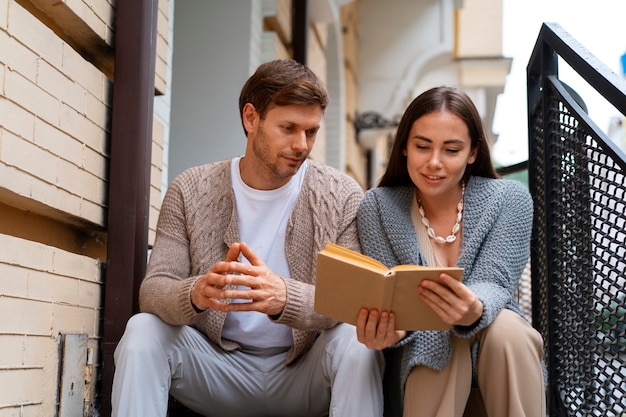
(578, 260)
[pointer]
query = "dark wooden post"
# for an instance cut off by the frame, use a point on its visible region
(300, 30)
(129, 168)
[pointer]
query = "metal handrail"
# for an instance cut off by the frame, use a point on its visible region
(577, 177)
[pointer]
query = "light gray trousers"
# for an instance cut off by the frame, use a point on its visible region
(338, 376)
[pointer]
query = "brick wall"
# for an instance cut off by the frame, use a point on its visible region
(55, 110)
(45, 292)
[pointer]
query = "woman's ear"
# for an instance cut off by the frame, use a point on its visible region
(473, 155)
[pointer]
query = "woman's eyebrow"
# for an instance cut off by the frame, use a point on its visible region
(420, 138)
(446, 142)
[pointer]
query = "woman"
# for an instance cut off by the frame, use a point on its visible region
(440, 203)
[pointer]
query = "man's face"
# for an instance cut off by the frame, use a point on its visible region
(279, 143)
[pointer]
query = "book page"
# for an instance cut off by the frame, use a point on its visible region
(353, 257)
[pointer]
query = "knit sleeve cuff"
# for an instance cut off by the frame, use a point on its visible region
(297, 294)
(471, 330)
(189, 310)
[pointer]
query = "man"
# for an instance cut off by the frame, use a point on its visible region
(228, 327)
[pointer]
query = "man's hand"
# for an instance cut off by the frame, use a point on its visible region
(265, 292)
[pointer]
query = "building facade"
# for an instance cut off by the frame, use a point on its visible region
(57, 130)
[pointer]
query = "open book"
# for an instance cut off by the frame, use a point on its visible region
(348, 280)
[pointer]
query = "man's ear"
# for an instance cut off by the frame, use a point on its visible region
(250, 117)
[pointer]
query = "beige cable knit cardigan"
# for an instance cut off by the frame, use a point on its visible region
(197, 223)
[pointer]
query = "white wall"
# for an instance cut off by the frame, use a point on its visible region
(399, 45)
(211, 62)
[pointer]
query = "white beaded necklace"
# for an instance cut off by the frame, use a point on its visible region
(455, 229)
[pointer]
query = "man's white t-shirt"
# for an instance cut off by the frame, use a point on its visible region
(262, 217)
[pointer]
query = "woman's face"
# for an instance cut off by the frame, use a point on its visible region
(438, 150)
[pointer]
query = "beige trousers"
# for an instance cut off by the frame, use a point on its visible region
(509, 373)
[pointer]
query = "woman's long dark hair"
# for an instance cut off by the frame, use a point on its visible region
(434, 100)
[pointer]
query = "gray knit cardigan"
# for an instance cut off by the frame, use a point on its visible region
(497, 223)
(197, 224)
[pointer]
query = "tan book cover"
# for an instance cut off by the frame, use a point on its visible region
(347, 280)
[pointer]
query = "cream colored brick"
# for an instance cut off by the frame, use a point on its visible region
(12, 350)
(58, 85)
(151, 236)
(56, 197)
(17, 57)
(11, 411)
(34, 34)
(83, 129)
(162, 30)
(156, 174)
(94, 212)
(22, 386)
(4, 8)
(77, 181)
(15, 119)
(97, 111)
(30, 96)
(154, 207)
(25, 253)
(163, 18)
(94, 162)
(70, 319)
(2, 71)
(29, 157)
(153, 211)
(105, 12)
(14, 280)
(68, 202)
(90, 294)
(43, 286)
(103, 194)
(155, 195)
(39, 409)
(157, 157)
(77, 266)
(40, 351)
(15, 180)
(58, 142)
(83, 72)
(22, 316)
(160, 83)
(44, 192)
(162, 47)
(158, 133)
(87, 14)
(109, 38)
